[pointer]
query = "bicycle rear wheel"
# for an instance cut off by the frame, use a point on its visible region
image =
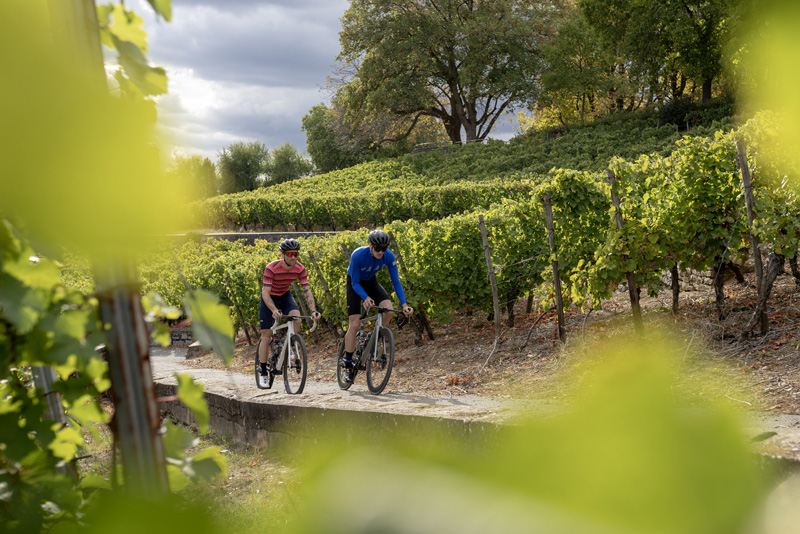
(296, 367)
(344, 384)
(379, 365)
(258, 369)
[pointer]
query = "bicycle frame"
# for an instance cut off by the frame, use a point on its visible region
(289, 326)
(371, 349)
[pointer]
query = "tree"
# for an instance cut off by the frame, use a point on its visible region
(580, 68)
(286, 164)
(327, 154)
(463, 63)
(242, 165)
(667, 39)
(196, 175)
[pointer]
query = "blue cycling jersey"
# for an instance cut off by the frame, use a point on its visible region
(363, 266)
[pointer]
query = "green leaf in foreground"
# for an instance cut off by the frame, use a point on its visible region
(191, 395)
(211, 323)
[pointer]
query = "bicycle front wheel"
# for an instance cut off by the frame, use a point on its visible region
(296, 367)
(379, 363)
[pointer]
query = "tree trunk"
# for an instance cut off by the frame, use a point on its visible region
(453, 129)
(795, 270)
(511, 299)
(774, 268)
(676, 288)
(707, 89)
(736, 272)
(583, 106)
(719, 291)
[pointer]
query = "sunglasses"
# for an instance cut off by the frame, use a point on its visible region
(291, 254)
(379, 249)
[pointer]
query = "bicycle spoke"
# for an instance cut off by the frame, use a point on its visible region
(294, 369)
(379, 362)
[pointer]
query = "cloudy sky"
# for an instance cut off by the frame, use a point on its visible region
(241, 69)
(244, 70)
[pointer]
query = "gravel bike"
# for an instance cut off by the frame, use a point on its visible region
(286, 355)
(374, 353)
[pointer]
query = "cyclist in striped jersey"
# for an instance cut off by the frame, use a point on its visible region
(276, 299)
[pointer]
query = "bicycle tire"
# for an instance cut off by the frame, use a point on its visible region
(295, 368)
(379, 365)
(258, 370)
(343, 384)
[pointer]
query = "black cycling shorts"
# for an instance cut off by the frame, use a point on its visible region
(373, 289)
(285, 303)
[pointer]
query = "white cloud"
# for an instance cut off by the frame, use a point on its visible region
(241, 69)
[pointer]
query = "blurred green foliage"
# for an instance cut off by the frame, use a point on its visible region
(638, 450)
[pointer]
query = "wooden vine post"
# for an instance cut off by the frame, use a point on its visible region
(385, 211)
(301, 300)
(303, 211)
(333, 328)
(280, 211)
(350, 209)
(632, 289)
(238, 311)
(441, 206)
(410, 209)
(420, 313)
(741, 151)
(492, 281)
(255, 204)
(330, 214)
(548, 211)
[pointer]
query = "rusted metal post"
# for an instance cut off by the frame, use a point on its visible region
(138, 422)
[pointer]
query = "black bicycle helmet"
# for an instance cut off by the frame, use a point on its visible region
(290, 244)
(379, 238)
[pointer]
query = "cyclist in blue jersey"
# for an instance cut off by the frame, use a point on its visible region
(365, 262)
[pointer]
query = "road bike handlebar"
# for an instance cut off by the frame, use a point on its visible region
(293, 317)
(401, 321)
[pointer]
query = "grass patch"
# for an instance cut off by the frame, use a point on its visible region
(257, 494)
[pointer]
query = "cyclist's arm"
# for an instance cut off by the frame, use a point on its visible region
(355, 280)
(268, 300)
(395, 277)
(310, 299)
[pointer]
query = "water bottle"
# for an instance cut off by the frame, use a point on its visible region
(362, 340)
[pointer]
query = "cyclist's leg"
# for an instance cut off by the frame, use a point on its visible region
(379, 295)
(265, 321)
(290, 308)
(353, 318)
(387, 316)
(354, 323)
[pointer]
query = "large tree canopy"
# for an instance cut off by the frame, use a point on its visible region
(242, 166)
(580, 70)
(667, 37)
(196, 175)
(461, 62)
(287, 164)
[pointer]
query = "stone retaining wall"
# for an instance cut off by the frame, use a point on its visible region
(261, 424)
